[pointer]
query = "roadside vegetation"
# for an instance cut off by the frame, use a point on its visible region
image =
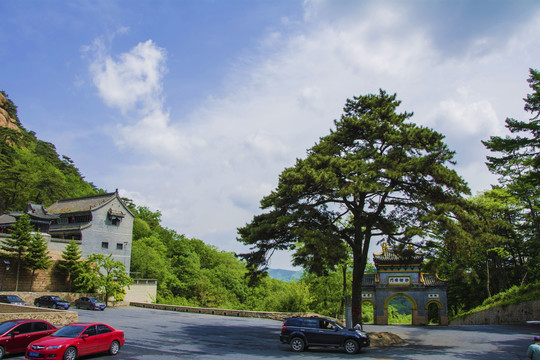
(514, 295)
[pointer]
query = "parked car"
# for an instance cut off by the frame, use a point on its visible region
(301, 332)
(12, 299)
(17, 334)
(89, 303)
(53, 302)
(78, 339)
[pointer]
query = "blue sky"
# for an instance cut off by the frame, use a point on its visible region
(195, 107)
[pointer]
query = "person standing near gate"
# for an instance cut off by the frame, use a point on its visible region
(533, 352)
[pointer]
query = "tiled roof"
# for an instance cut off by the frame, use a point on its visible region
(391, 256)
(80, 204)
(7, 219)
(433, 280)
(37, 211)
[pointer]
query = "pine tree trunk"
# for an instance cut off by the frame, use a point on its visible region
(32, 280)
(359, 265)
(18, 270)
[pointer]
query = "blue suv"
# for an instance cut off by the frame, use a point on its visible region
(301, 332)
(52, 302)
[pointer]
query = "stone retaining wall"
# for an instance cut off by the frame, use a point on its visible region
(56, 317)
(224, 312)
(502, 315)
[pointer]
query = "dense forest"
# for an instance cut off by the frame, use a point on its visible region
(491, 246)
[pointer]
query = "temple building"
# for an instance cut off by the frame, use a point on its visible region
(39, 219)
(100, 224)
(399, 274)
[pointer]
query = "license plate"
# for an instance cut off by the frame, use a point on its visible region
(33, 354)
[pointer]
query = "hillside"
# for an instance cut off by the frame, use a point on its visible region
(285, 275)
(30, 169)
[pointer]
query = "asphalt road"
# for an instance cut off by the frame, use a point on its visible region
(157, 334)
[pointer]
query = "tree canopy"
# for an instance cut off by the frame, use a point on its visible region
(37, 257)
(17, 245)
(516, 159)
(106, 275)
(375, 176)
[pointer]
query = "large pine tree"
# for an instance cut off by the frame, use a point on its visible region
(376, 176)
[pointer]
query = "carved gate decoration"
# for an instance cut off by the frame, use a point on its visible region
(399, 273)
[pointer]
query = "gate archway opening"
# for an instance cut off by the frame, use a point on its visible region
(434, 309)
(407, 297)
(400, 311)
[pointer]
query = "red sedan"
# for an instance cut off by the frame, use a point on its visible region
(15, 335)
(76, 340)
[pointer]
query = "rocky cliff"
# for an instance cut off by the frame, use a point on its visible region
(5, 119)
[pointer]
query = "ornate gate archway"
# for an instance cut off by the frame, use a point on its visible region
(399, 273)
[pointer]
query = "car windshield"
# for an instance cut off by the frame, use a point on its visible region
(13, 298)
(69, 331)
(338, 325)
(6, 325)
(93, 300)
(56, 298)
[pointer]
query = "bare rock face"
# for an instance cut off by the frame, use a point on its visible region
(5, 119)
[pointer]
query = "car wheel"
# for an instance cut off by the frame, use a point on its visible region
(298, 344)
(351, 346)
(70, 354)
(114, 348)
(77, 306)
(54, 306)
(2, 352)
(37, 304)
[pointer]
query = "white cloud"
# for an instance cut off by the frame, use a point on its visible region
(133, 80)
(466, 119)
(208, 172)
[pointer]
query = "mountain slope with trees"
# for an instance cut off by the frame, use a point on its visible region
(30, 169)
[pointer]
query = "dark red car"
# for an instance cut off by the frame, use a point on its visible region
(17, 334)
(76, 340)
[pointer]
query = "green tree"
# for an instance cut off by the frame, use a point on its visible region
(106, 275)
(141, 229)
(71, 262)
(389, 176)
(151, 218)
(487, 254)
(517, 162)
(17, 245)
(37, 257)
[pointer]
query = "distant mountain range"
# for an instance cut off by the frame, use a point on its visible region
(285, 275)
